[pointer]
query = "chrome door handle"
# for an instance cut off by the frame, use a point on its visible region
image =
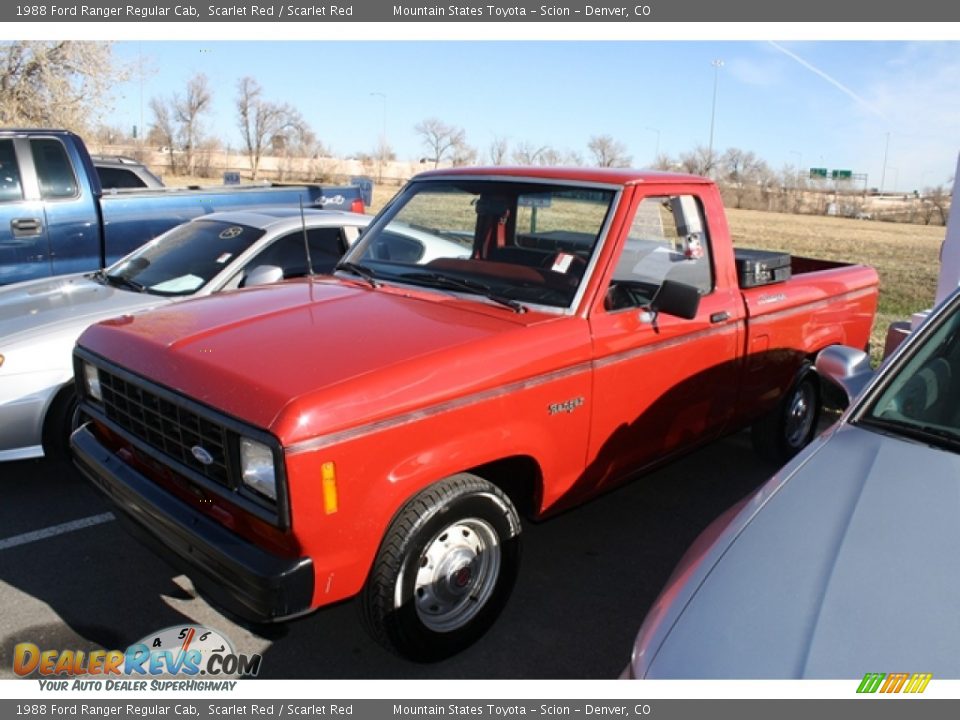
(26, 227)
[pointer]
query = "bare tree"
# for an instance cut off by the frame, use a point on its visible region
(740, 172)
(608, 152)
(664, 162)
(177, 122)
(527, 154)
(187, 111)
(261, 122)
(463, 154)
(498, 151)
(56, 84)
(440, 139)
(701, 161)
(940, 200)
(162, 131)
(294, 141)
(383, 154)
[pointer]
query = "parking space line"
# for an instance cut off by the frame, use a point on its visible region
(55, 530)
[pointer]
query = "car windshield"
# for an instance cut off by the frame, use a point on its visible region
(517, 243)
(922, 399)
(183, 260)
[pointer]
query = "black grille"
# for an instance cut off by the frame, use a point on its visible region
(166, 426)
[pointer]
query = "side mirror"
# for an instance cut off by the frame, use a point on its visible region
(846, 367)
(263, 275)
(676, 298)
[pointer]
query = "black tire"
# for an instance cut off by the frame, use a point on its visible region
(792, 424)
(63, 417)
(445, 569)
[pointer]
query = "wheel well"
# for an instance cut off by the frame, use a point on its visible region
(519, 477)
(51, 414)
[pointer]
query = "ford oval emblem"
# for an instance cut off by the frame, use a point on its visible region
(202, 455)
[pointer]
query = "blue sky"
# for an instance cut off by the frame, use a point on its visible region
(834, 104)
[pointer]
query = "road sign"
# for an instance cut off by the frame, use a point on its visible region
(818, 172)
(841, 174)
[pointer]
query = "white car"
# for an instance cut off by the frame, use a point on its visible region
(40, 320)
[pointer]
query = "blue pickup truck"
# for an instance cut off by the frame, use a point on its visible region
(55, 219)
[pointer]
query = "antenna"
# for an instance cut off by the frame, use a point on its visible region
(306, 242)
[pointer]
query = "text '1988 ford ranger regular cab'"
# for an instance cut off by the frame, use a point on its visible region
(380, 431)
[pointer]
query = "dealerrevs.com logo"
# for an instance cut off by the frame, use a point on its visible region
(910, 683)
(180, 651)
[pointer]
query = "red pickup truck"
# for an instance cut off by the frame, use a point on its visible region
(382, 430)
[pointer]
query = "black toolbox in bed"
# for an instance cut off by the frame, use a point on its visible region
(761, 267)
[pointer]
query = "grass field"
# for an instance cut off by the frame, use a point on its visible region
(905, 256)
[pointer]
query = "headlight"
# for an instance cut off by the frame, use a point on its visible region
(257, 467)
(91, 381)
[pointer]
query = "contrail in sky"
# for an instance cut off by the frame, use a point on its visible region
(836, 83)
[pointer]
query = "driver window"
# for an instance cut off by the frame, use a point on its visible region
(9, 173)
(327, 245)
(667, 239)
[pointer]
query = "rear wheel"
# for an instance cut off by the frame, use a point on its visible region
(445, 569)
(792, 424)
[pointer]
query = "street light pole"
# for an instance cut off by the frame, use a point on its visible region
(717, 64)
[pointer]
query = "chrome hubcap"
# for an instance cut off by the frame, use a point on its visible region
(457, 573)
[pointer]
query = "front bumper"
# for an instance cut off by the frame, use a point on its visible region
(230, 570)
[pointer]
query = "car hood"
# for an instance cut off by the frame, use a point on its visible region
(845, 563)
(308, 357)
(38, 311)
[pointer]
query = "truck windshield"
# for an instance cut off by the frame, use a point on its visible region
(183, 260)
(922, 400)
(512, 241)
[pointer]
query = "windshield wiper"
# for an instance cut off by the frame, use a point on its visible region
(470, 286)
(120, 281)
(931, 434)
(360, 270)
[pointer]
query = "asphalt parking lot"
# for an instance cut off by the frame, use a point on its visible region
(71, 578)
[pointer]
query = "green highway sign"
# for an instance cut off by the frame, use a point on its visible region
(818, 172)
(841, 174)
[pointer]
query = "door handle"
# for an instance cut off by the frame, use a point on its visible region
(719, 317)
(26, 227)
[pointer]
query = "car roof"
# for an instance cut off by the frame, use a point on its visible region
(612, 176)
(115, 160)
(269, 218)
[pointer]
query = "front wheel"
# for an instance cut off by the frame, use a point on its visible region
(792, 424)
(444, 570)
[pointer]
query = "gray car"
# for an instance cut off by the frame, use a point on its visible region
(844, 562)
(117, 172)
(41, 320)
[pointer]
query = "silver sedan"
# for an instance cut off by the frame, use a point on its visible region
(41, 320)
(844, 562)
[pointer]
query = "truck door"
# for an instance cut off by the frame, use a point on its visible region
(24, 243)
(664, 385)
(69, 207)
